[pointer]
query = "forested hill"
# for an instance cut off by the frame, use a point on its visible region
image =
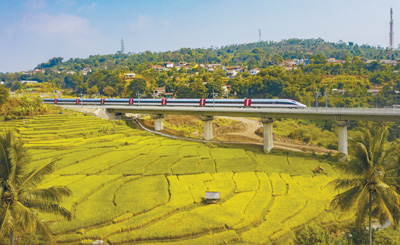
(346, 73)
(251, 55)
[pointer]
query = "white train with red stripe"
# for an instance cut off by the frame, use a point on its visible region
(278, 103)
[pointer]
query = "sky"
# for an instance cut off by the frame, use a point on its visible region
(34, 31)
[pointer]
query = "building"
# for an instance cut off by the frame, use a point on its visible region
(373, 91)
(160, 91)
(290, 68)
(235, 68)
(335, 90)
(85, 71)
(168, 64)
(28, 82)
(388, 62)
(38, 71)
(129, 75)
(254, 71)
(231, 73)
(157, 67)
(211, 67)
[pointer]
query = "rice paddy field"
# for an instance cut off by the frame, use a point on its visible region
(130, 186)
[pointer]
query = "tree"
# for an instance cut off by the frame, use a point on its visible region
(93, 90)
(318, 59)
(372, 189)
(109, 91)
(137, 85)
(55, 61)
(313, 234)
(276, 59)
(198, 89)
(4, 94)
(20, 197)
(273, 85)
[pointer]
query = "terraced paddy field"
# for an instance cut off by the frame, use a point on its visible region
(133, 187)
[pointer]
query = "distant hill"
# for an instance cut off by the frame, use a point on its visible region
(251, 54)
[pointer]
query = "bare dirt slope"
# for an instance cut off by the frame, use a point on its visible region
(249, 135)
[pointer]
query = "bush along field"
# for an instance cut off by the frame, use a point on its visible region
(130, 186)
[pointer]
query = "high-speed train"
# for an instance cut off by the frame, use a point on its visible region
(273, 103)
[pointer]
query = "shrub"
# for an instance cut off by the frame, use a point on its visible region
(313, 234)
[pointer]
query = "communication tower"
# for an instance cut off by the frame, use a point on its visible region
(391, 34)
(259, 35)
(122, 46)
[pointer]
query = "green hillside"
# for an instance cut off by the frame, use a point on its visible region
(130, 186)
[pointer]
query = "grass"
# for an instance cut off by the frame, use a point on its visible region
(130, 186)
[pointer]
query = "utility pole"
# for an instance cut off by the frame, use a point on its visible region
(316, 98)
(326, 98)
(259, 35)
(138, 95)
(213, 99)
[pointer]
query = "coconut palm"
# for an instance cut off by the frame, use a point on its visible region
(20, 196)
(371, 189)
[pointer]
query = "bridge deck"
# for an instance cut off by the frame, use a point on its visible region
(339, 114)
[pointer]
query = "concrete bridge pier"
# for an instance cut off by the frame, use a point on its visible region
(268, 135)
(342, 144)
(208, 129)
(158, 122)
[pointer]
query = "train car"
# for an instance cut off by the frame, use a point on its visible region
(254, 103)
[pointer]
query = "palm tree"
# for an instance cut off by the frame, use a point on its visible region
(20, 197)
(371, 189)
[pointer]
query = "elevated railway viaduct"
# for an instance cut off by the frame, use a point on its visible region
(342, 117)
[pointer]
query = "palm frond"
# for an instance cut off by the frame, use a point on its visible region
(45, 230)
(5, 143)
(19, 159)
(48, 207)
(24, 217)
(353, 167)
(52, 194)
(33, 178)
(346, 183)
(367, 155)
(389, 198)
(344, 201)
(6, 221)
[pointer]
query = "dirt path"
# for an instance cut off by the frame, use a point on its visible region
(249, 135)
(251, 127)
